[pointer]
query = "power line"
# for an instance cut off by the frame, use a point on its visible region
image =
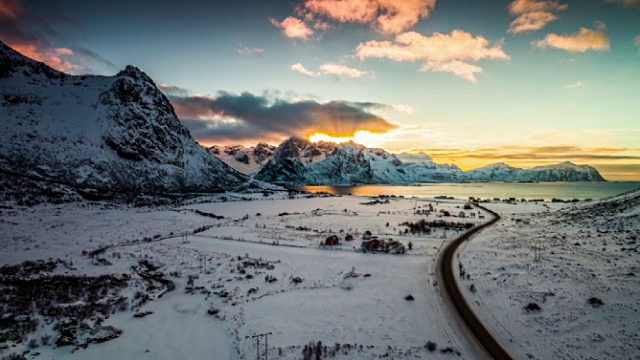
(257, 338)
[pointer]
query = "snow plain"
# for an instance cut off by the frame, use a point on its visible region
(584, 251)
(344, 296)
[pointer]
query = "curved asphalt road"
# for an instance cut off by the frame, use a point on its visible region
(456, 298)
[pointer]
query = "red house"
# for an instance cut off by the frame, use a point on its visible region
(332, 240)
(349, 237)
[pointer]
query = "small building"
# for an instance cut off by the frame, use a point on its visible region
(332, 240)
(349, 237)
(467, 207)
(367, 235)
(462, 214)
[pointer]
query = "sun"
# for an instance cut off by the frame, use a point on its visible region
(362, 137)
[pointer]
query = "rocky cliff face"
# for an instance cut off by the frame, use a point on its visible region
(106, 133)
(247, 160)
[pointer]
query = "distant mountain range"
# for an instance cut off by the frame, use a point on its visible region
(100, 134)
(300, 162)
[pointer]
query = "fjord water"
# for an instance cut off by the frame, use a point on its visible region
(547, 191)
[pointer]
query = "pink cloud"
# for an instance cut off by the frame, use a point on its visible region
(583, 41)
(48, 55)
(294, 28)
(388, 17)
(341, 71)
(533, 15)
(458, 68)
(299, 68)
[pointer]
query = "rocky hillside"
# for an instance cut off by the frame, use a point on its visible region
(247, 160)
(99, 134)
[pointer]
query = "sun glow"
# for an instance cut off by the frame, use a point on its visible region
(365, 138)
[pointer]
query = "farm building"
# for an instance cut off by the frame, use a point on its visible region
(332, 240)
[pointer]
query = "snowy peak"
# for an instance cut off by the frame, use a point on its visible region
(298, 161)
(566, 171)
(116, 134)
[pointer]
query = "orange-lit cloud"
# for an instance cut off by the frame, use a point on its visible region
(533, 15)
(583, 41)
(48, 55)
(294, 28)
(388, 17)
(442, 52)
(412, 46)
(30, 35)
(520, 7)
(10, 9)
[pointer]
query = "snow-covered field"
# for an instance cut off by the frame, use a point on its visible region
(256, 262)
(579, 265)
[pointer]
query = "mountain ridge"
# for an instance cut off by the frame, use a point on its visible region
(297, 161)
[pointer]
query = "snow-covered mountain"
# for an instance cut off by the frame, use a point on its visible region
(298, 161)
(107, 134)
(247, 160)
(566, 171)
(301, 162)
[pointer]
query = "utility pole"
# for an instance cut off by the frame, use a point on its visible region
(266, 344)
(203, 263)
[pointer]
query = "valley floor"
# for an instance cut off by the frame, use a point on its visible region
(257, 263)
(204, 278)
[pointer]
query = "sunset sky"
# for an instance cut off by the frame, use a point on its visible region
(526, 82)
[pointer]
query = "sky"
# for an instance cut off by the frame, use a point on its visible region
(526, 82)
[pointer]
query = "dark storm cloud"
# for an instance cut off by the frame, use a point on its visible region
(247, 116)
